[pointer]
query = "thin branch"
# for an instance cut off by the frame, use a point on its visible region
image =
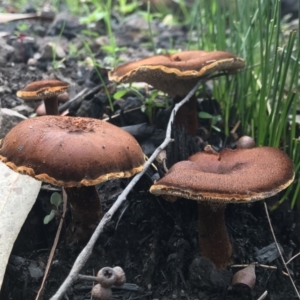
(279, 251)
(263, 296)
(258, 265)
(292, 258)
(87, 250)
(80, 97)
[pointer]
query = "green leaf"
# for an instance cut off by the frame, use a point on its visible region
(216, 128)
(119, 94)
(49, 217)
(205, 115)
(56, 199)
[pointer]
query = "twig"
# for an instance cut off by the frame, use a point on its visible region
(279, 251)
(296, 255)
(263, 296)
(87, 250)
(51, 255)
(79, 97)
(258, 265)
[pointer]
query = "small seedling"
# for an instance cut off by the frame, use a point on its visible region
(213, 119)
(127, 7)
(151, 104)
(55, 200)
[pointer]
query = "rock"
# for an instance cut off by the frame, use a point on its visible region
(9, 118)
(52, 51)
(25, 269)
(268, 254)
(5, 52)
(204, 276)
(70, 24)
(24, 48)
(23, 109)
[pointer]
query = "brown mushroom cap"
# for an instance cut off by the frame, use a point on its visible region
(231, 176)
(71, 151)
(42, 89)
(176, 74)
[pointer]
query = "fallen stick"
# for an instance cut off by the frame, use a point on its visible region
(87, 250)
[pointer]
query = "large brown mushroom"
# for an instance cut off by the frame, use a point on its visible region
(176, 75)
(47, 90)
(215, 179)
(76, 153)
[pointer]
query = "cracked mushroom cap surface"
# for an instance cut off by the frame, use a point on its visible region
(42, 89)
(176, 74)
(231, 176)
(71, 151)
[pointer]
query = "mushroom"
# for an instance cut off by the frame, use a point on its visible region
(76, 153)
(107, 277)
(47, 90)
(101, 293)
(245, 142)
(215, 179)
(176, 75)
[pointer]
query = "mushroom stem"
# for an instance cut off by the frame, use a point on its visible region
(51, 105)
(213, 237)
(187, 115)
(86, 210)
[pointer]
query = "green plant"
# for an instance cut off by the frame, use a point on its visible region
(21, 27)
(150, 102)
(96, 66)
(214, 120)
(102, 11)
(126, 7)
(55, 200)
(57, 64)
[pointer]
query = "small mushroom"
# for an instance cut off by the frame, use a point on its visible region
(107, 277)
(101, 293)
(176, 75)
(215, 179)
(47, 90)
(76, 153)
(245, 142)
(121, 277)
(244, 279)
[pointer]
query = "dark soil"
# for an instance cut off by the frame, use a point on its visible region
(154, 241)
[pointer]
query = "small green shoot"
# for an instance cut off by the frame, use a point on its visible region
(127, 7)
(55, 200)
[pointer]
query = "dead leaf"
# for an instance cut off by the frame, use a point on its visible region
(18, 194)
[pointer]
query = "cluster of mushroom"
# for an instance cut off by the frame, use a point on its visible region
(73, 152)
(214, 179)
(78, 153)
(108, 277)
